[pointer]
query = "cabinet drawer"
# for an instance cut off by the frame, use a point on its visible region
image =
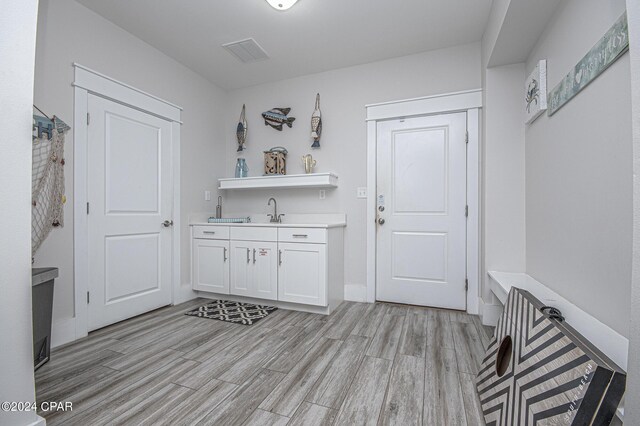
(211, 232)
(302, 235)
(248, 233)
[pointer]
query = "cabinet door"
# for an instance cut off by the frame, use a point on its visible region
(241, 267)
(265, 270)
(211, 266)
(302, 274)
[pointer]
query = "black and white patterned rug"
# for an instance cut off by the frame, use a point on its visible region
(236, 312)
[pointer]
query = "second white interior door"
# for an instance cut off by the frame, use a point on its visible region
(130, 195)
(421, 202)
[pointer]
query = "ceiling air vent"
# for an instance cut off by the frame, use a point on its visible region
(246, 50)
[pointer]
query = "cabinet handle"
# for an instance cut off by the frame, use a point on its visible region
(225, 254)
(208, 232)
(248, 258)
(279, 257)
(254, 255)
(300, 235)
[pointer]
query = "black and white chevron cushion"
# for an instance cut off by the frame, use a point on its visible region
(540, 371)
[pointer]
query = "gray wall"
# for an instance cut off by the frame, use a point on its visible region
(69, 32)
(504, 177)
(632, 413)
(578, 172)
(344, 94)
(17, 50)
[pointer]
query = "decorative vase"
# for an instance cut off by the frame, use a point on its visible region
(241, 168)
(275, 161)
(309, 163)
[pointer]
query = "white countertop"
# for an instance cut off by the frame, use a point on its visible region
(273, 225)
(338, 220)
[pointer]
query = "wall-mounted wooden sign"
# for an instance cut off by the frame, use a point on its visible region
(606, 51)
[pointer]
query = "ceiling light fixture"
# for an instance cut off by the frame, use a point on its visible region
(281, 4)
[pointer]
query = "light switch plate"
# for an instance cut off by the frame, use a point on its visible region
(323, 194)
(207, 195)
(362, 192)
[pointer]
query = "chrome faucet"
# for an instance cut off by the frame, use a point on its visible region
(275, 217)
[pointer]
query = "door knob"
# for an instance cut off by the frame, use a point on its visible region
(167, 223)
(380, 221)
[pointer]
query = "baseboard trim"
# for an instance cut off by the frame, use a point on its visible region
(40, 421)
(278, 304)
(184, 293)
(63, 331)
(490, 313)
(355, 293)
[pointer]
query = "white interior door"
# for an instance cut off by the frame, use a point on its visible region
(421, 202)
(130, 196)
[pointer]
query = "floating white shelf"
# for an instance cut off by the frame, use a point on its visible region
(312, 180)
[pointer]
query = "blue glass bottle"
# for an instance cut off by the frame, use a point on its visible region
(241, 168)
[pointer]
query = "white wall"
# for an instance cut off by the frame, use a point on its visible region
(578, 172)
(499, 9)
(68, 32)
(503, 196)
(344, 94)
(17, 50)
(632, 397)
(504, 175)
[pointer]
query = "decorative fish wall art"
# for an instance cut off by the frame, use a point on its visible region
(276, 117)
(241, 130)
(316, 124)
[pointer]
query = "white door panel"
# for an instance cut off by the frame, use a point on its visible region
(265, 270)
(421, 188)
(130, 194)
(124, 194)
(240, 268)
(127, 276)
(211, 265)
(302, 274)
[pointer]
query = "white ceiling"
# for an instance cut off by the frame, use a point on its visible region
(313, 36)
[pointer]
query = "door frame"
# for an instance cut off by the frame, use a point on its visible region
(89, 82)
(467, 101)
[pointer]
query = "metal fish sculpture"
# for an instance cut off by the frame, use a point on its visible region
(241, 130)
(316, 124)
(276, 117)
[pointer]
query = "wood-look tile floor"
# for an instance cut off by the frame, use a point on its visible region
(364, 364)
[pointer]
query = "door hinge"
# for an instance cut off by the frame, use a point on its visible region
(466, 137)
(466, 211)
(87, 208)
(88, 119)
(466, 284)
(88, 298)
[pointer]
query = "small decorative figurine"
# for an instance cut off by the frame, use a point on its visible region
(316, 124)
(241, 130)
(276, 117)
(309, 163)
(275, 161)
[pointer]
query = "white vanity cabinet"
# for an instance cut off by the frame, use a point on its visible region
(254, 263)
(210, 260)
(297, 265)
(254, 269)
